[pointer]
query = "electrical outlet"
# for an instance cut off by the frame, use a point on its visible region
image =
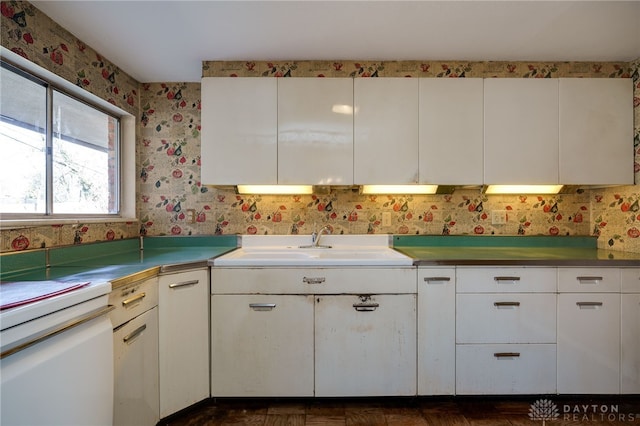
(499, 217)
(386, 218)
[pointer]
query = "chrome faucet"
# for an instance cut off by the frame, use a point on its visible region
(315, 237)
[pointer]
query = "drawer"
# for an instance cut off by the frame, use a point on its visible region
(506, 280)
(630, 280)
(505, 369)
(133, 299)
(313, 280)
(506, 318)
(588, 280)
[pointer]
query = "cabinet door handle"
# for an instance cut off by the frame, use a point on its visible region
(262, 306)
(436, 279)
(135, 333)
(365, 307)
(589, 280)
(134, 299)
(313, 280)
(507, 279)
(184, 284)
(592, 305)
(505, 304)
(506, 354)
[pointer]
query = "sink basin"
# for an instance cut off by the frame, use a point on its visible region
(346, 250)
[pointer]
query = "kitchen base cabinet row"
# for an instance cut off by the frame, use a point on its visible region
(528, 330)
(463, 330)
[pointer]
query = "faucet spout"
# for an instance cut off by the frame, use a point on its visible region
(315, 237)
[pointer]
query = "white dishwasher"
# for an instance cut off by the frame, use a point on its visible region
(56, 363)
(135, 351)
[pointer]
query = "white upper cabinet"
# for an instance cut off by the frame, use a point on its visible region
(596, 131)
(315, 131)
(386, 131)
(451, 131)
(521, 131)
(239, 130)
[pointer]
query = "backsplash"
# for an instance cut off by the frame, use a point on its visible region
(172, 201)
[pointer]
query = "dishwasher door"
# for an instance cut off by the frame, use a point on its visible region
(62, 379)
(135, 349)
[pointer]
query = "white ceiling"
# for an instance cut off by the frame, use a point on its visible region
(166, 41)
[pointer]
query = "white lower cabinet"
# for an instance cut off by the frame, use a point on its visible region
(505, 330)
(589, 343)
(630, 331)
(262, 345)
(365, 345)
(183, 339)
(436, 331)
(313, 331)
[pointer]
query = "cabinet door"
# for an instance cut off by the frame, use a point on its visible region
(365, 345)
(630, 343)
(451, 131)
(436, 331)
(589, 343)
(315, 131)
(239, 131)
(596, 131)
(261, 345)
(136, 397)
(385, 131)
(184, 340)
(520, 131)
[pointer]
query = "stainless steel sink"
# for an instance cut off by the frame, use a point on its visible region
(293, 250)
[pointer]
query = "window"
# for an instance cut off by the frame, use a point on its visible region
(60, 155)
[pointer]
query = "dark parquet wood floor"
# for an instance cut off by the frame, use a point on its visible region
(465, 411)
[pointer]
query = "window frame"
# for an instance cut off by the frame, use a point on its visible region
(125, 147)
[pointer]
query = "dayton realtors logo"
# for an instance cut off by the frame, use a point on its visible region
(546, 410)
(543, 409)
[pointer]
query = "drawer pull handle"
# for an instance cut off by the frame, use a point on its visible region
(134, 299)
(436, 279)
(506, 279)
(502, 304)
(313, 280)
(184, 284)
(589, 280)
(588, 304)
(138, 331)
(506, 354)
(262, 306)
(366, 307)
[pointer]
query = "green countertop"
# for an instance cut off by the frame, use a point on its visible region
(115, 260)
(511, 250)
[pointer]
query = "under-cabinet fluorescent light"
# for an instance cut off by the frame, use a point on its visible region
(523, 189)
(342, 109)
(275, 189)
(399, 189)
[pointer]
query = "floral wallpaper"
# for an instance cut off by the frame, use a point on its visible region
(172, 201)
